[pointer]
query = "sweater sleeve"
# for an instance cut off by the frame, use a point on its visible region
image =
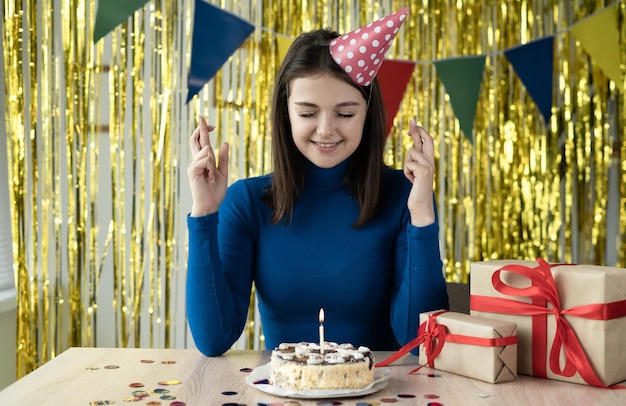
(219, 275)
(420, 285)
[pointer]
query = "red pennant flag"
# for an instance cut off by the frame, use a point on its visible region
(393, 78)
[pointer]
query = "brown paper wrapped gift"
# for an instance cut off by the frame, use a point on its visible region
(476, 347)
(571, 319)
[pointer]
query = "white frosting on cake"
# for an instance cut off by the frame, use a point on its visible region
(301, 366)
(310, 352)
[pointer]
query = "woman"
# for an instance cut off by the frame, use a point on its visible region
(332, 227)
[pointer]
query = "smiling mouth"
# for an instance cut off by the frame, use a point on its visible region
(327, 144)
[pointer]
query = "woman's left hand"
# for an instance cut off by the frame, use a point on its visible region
(419, 168)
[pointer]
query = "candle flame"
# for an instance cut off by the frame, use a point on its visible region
(321, 318)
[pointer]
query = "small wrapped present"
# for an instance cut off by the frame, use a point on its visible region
(472, 346)
(571, 319)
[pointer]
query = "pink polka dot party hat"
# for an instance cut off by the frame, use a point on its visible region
(361, 52)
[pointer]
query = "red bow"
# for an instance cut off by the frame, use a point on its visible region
(542, 292)
(434, 335)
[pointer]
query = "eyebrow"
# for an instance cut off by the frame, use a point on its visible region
(343, 104)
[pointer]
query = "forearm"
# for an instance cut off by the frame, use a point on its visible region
(422, 287)
(212, 306)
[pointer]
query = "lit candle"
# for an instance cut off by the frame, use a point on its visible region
(321, 318)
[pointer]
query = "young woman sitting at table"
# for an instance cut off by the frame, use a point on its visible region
(331, 227)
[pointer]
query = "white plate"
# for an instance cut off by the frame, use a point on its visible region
(381, 376)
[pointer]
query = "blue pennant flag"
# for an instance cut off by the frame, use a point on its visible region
(217, 34)
(533, 63)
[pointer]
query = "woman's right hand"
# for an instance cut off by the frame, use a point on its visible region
(207, 180)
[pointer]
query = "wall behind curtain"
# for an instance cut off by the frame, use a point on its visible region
(97, 151)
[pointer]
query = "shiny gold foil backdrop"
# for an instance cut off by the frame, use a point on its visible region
(97, 146)
(96, 135)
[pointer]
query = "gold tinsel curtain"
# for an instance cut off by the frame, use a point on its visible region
(97, 150)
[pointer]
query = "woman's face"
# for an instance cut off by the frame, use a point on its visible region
(327, 117)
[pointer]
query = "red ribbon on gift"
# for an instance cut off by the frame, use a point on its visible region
(543, 292)
(434, 335)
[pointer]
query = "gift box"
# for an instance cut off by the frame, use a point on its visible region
(472, 346)
(571, 319)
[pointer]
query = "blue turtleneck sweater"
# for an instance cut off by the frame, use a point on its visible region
(372, 282)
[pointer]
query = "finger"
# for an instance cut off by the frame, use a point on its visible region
(414, 133)
(223, 162)
(428, 145)
(205, 129)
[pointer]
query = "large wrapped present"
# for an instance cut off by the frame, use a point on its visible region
(571, 319)
(472, 346)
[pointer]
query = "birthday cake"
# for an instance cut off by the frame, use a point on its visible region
(302, 366)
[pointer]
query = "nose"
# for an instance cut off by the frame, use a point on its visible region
(325, 126)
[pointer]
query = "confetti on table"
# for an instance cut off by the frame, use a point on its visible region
(136, 385)
(406, 396)
(229, 393)
(245, 370)
(431, 396)
(111, 366)
(168, 362)
(147, 361)
(172, 382)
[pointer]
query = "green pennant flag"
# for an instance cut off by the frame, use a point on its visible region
(111, 13)
(462, 78)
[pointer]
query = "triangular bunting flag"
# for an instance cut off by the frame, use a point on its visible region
(283, 44)
(599, 36)
(393, 77)
(111, 13)
(462, 78)
(533, 63)
(217, 34)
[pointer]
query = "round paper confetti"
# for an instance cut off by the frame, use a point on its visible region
(133, 399)
(136, 385)
(168, 362)
(92, 368)
(229, 393)
(167, 397)
(431, 396)
(172, 382)
(161, 390)
(389, 400)
(245, 370)
(111, 366)
(434, 376)
(406, 396)
(147, 361)
(434, 404)
(177, 403)
(480, 395)
(154, 403)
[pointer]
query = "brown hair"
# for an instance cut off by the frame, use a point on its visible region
(308, 56)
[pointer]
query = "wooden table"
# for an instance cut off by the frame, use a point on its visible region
(80, 376)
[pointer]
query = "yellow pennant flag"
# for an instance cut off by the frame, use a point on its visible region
(599, 36)
(283, 46)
